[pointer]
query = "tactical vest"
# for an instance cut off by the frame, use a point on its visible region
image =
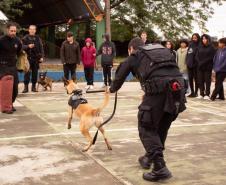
(159, 73)
(152, 59)
(76, 99)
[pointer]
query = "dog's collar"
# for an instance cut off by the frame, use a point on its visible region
(77, 92)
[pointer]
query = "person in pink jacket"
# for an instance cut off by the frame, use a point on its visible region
(88, 56)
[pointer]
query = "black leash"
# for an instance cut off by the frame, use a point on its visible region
(95, 91)
(113, 113)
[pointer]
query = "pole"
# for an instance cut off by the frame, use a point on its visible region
(108, 16)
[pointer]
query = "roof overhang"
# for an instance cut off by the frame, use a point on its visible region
(52, 12)
(2, 16)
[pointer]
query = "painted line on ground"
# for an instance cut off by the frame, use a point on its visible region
(208, 105)
(107, 130)
(209, 112)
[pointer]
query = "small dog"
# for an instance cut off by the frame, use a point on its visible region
(45, 81)
(87, 115)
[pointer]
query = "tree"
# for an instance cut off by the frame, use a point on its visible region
(174, 18)
(11, 8)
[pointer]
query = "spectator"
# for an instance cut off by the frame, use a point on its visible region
(70, 56)
(219, 66)
(181, 58)
(32, 44)
(10, 46)
(88, 56)
(169, 45)
(143, 37)
(192, 64)
(107, 52)
(204, 57)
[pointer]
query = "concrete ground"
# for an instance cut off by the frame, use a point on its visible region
(37, 149)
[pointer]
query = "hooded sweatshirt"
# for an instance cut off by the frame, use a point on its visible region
(219, 62)
(88, 55)
(205, 55)
(192, 50)
(107, 52)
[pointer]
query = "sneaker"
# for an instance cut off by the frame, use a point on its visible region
(91, 87)
(222, 99)
(199, 97)
(103, 86)
(87, 87)
(206, 97)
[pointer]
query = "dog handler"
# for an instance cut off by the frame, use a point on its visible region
(164, 99)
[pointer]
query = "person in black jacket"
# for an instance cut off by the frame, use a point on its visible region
(192, 64)
(108, 52)
(164, 99)
(32, 44)
(70, 56)
(204, 58)
(10, 46)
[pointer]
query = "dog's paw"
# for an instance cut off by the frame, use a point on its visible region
(109, 148)
(84, 149)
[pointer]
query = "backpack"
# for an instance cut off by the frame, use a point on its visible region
(155, 81)
(23, 64)
(154, 57)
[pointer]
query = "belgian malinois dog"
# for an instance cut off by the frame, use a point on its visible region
(87, 115)
(45, 81)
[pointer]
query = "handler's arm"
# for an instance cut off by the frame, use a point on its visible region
(122, 72)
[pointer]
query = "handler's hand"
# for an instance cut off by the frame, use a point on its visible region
(41, 60)
(31, 46)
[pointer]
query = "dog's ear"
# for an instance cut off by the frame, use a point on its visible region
(74, 79)
(66, 82)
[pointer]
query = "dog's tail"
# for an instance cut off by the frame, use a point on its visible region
(97, 111)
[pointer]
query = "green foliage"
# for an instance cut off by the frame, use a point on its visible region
(13, 7)
(173, 18)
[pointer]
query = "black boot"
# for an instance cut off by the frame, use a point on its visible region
(33, 88)
(25, 89)
(159, 172)
(145, 162)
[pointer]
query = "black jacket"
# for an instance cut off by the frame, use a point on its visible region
(107, 52)
(34, 54)
(70, 53)
(190, 59)
(9, 49)
(205, 55)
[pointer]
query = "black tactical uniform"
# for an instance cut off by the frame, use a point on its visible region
(34, 55)
(164, 98)
(9, 49)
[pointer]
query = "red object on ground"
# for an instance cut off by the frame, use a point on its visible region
(6, 91)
